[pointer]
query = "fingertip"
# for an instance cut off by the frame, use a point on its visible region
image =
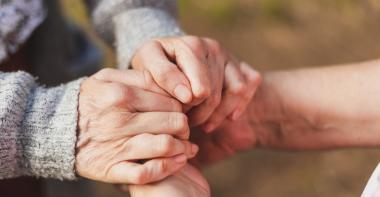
(194, 149)
(230, 117)
(182, 93)
(253, 74)
(208, 127)
(236, 114)
(180, 159)
(202, 92)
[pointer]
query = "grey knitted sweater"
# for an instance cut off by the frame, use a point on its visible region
(38, 124)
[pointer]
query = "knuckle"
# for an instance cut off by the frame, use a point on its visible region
(165, 144)
(202, 92)
(103, 73)
(239, 89)
(178, 121)
(163, 74)
(195, 43)
(214, 44)
(162, 166)
(148, 45)
(118, 94)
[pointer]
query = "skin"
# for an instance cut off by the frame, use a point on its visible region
(318, 108)
(122, 121)
(131, 130)
(199, 73)
(306, 109)
(187, 182)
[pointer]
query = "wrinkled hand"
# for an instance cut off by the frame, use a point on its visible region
(199, 73)
(123, 120)
(188, 182)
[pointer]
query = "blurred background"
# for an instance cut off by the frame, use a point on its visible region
(277, 34)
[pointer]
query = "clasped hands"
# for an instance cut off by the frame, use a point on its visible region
(185, 95)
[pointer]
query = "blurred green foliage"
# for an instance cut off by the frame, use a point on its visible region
(274, 9)
(222, 12)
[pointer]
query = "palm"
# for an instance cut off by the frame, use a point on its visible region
(224, 142)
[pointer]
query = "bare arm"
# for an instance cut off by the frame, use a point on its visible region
(318, 108)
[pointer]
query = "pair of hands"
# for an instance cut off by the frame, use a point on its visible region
(132, 124)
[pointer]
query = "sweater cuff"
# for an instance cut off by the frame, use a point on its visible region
(46, 143)
(134, 27)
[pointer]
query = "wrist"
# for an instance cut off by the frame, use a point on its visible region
(281, 118)
(265, 112)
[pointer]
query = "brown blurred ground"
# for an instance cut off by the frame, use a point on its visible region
(277, 34)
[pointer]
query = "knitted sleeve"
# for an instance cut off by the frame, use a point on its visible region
(18, 19)
(37, 127)
(129, 23)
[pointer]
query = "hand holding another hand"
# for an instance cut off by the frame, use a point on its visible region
(198, 72)
(122, 121)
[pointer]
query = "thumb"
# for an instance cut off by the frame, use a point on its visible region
(164, 72)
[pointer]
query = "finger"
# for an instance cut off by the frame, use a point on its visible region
(191, 65)
(172, 123)
(228, 104)
(234, 78)
(151, 171)
(233, 94)
(134, 78)
(164, 72)
(148, 146)
(253, 79)
(141, 100)
(201, 113)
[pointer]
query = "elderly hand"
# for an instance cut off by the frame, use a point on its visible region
(128, 132)
(188, 182)
(198, 72)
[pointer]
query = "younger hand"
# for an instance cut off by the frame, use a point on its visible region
(228, 139)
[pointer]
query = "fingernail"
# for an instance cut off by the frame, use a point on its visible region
(236, 114)
(180, 158)
(194, 149)
(208, 127)
(182, 93)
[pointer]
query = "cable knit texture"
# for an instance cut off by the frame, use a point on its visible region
(130, 23)
(38, 127)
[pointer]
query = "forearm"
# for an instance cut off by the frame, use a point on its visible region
(38, 127)
(319, 108)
